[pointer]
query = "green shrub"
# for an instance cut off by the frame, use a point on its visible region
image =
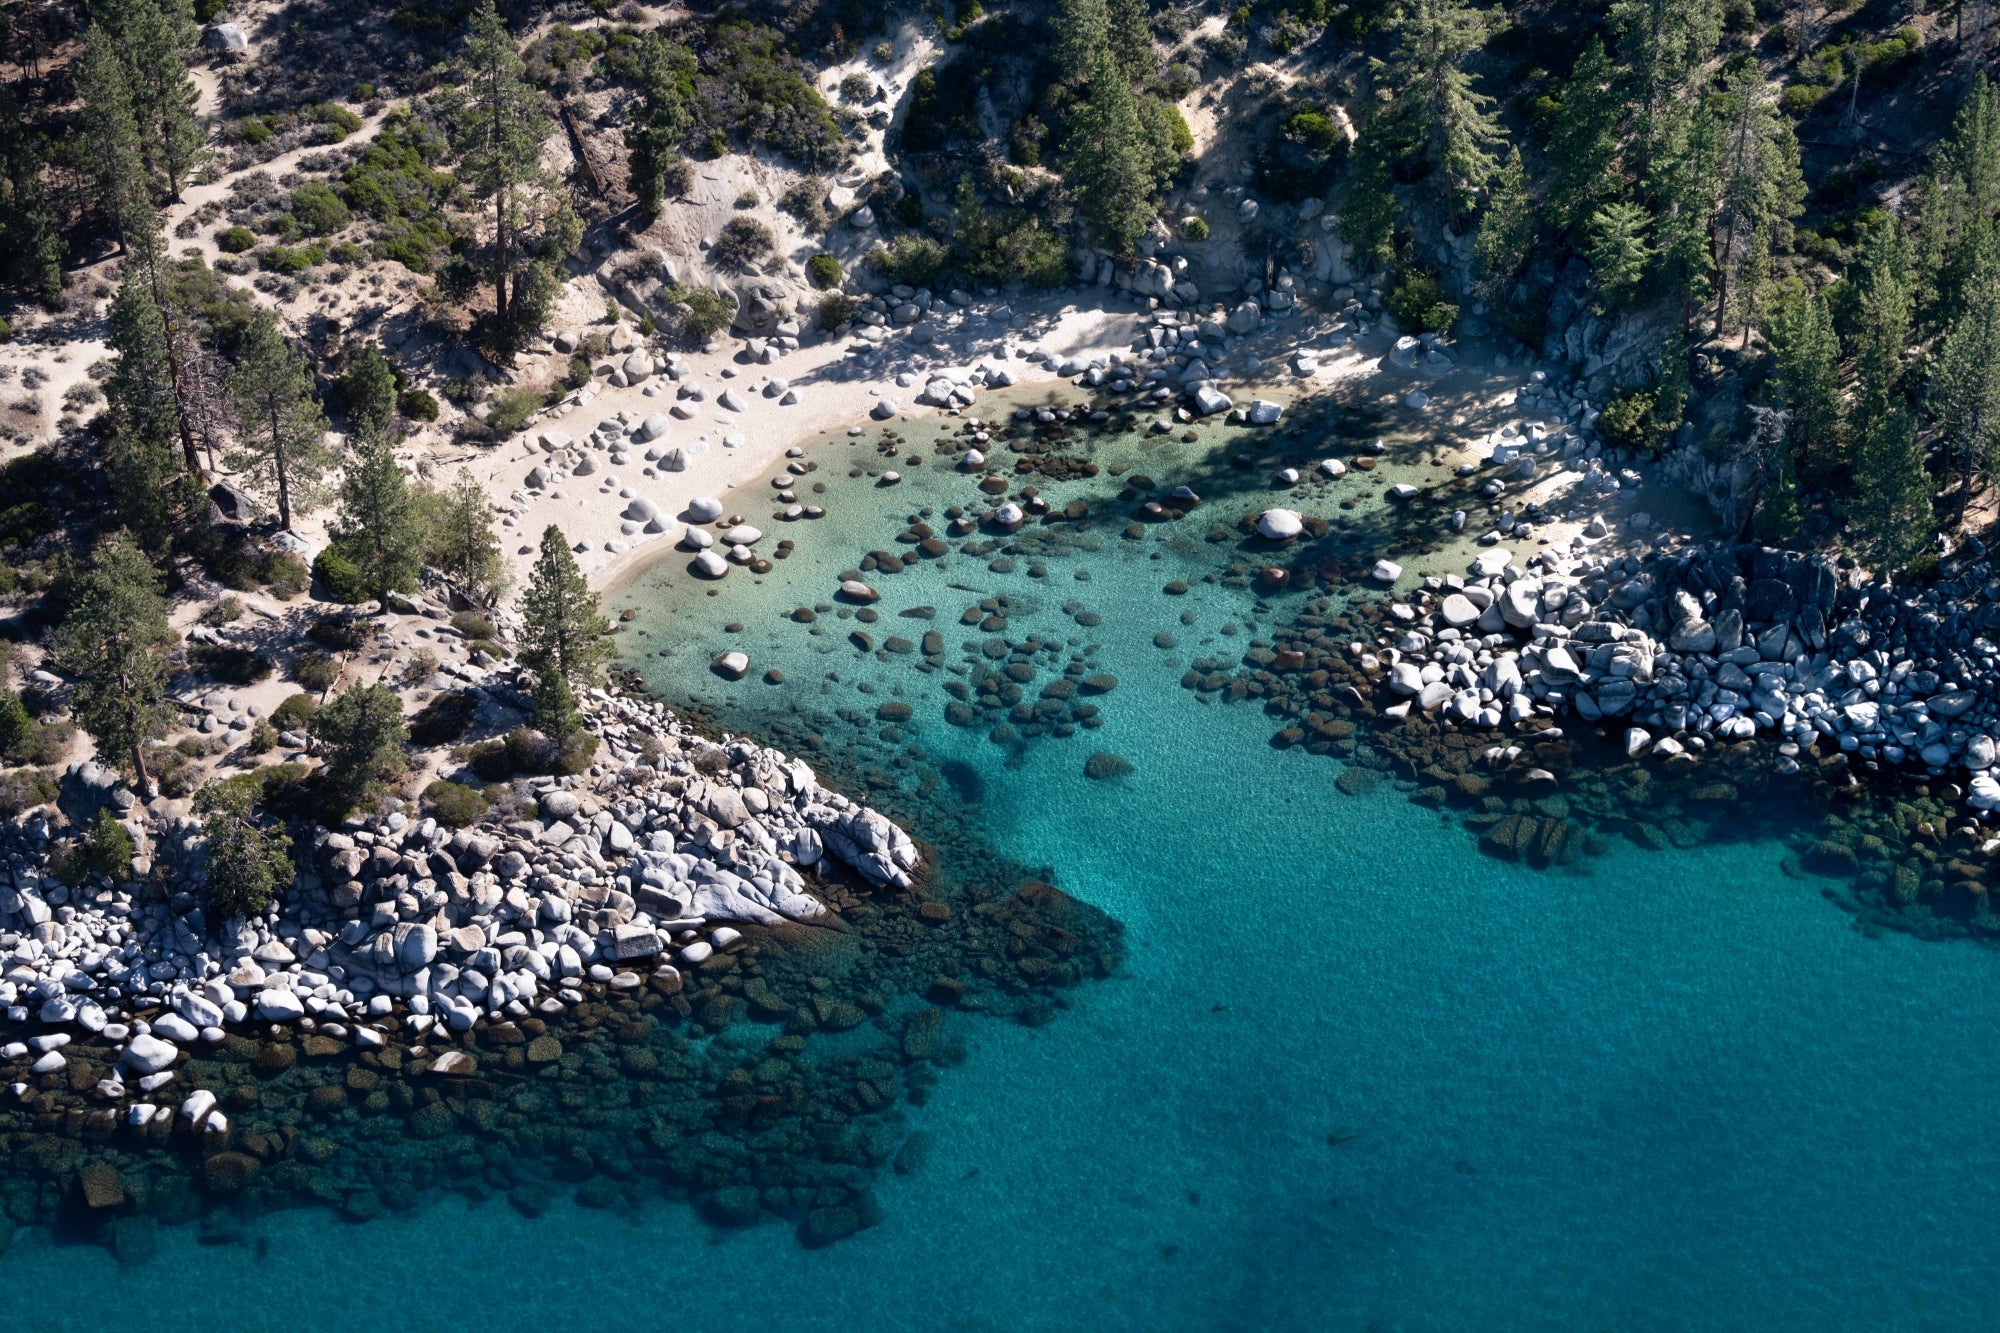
(286, 576)
(1417, 305)
(340, 577)
(208, 11)
(26, 788)
(294, 711)
(340, 122)
(1632, 419)
(252, 130)
(316, 672)
(263, 736)
(228, 663)
(511, 410)
(473, 625)
(104, 849)
(709, 312)
(291, 261)
(824, 271)
(835, 310)
(1195, 229)
(1800, 98)
(743, 241)
(319, 210)
(339, 633)
(455, 804)
(236, 240)
(910, 258)
(444, 719)
(417, 405)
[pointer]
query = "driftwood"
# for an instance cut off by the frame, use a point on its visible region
(583, 153)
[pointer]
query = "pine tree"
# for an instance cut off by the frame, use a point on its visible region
(1583, 144)
(462, 545)
(1129, 32)
(30, 249)
(1082, 33)
(661, 118)
(500, 128)
(1961, 200)
(361, 734)
(1664, 44)
(1618, 248)
(1808, 356)
(116, 159)
(1684, 195)
(553, 706)
(282, 441)
(1881, 299)
(152, 38)
(1965, 385)
(1776, 519)
(562, 630)
(380, 527)
(1434, 113)
(1762, 189)
(152, 493)
(1109, 162)
(1889, 517)
(1506, 230)
(113, 645)
(367, 392)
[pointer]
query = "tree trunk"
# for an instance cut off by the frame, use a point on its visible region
(284, 486)
(144, 779)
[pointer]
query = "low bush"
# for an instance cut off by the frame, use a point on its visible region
(473, 625)
(229, 663)
(235, 240)
(339, 577)
(744, 241)
(25, 788)
(455, 804)
(911, 258)
(417, 405)
(836, 309)
(824, 271)
(444, 719)
(293, 712)
(1417, 305)
(293, 260)
(316, 672)
(708, 312)
(319, 210)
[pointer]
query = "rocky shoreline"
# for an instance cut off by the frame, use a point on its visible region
(404, 924)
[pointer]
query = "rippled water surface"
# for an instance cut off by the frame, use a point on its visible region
(1358, 1074)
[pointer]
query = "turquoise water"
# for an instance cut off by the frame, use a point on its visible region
(1358, 1076)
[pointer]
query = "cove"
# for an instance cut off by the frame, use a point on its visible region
(1357, 1074)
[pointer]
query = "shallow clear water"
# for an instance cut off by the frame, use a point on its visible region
(1358, 1076)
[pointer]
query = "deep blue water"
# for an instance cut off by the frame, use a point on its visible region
(1359, 1075)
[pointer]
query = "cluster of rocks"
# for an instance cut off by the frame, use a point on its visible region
(404, 922)
(1716, 644)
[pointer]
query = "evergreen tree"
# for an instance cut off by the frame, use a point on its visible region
(112, 150)
(1961, 201)
(1889, 518)
(1368, 217)
(1129, 32)
(152, 493)
(1762, 189)
(1684, 194)
(282, 442)
(1506, 230)
(1619, 251)
(30, 248)
(113, 645)
(1082, 33)
(152, 38)
(1108, 159)
(249, 865)
(1808, 356)
(361, 733)
(367, 392)
(661, 118)
(380, 527)
(1583, 144)
(1434, 113)
(462, 545)
(1881, 300)
(553, 711)
(1776, 519)
(1965, 385)
(500, 128)
(1664, 45)
(562, 630)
